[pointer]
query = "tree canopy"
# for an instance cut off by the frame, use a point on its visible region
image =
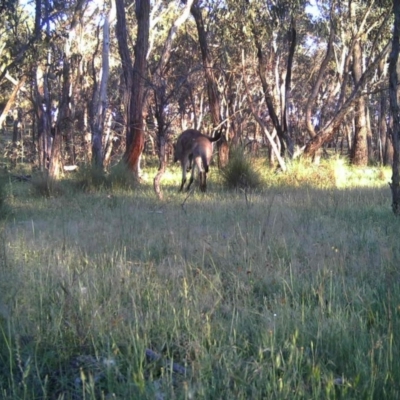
(293, 76)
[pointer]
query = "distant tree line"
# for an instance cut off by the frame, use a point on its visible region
(96, 80)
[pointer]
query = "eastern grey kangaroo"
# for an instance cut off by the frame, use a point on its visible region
(191, 146)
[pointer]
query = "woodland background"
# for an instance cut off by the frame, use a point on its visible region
(93, 82)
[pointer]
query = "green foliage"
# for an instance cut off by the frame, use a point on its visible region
(241, 172)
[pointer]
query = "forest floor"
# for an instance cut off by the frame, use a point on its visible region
(290, 291)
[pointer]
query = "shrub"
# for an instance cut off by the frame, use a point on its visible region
(90, 177)
(240, 173)
(120, 177)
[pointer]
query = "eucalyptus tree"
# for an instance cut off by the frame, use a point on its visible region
(63, 126)
(198, 9)
(394, 94)
(385, 145)
(160, 93)
(134, 79)
(17, 36)
(267, 36)
(59, 63)
(99, 103)
(352, 27)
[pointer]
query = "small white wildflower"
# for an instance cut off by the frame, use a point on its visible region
(84, 290)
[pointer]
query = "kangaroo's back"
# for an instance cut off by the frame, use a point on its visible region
(184, 143)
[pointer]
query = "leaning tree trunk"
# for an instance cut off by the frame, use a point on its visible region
(135, 132)
(280, 123)
(11, 100)
(329, 130)
(394, 107)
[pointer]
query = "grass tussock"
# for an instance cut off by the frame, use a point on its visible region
(4, 206)
(91, 178)
(241, 171)
(290, 292)
(120, 177)
(43, 186)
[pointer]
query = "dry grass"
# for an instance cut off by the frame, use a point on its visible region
(285, 292)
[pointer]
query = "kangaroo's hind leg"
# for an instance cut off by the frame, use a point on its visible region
(196, 164)
(203, 181)
(184, 166)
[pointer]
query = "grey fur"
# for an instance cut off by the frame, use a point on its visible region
(191, 146)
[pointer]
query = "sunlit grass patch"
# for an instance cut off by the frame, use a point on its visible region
(332, 173)
(349, 176)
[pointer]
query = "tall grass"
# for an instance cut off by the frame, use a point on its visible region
(291, 292)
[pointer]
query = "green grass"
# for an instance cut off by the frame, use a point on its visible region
(288, 292)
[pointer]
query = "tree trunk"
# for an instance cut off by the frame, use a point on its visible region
(135, 129)
(386, 148)
(274, 146)
(212, 89)
(99, 102)
(126, 63)
(329, 130)
(387, 140)
(160, 96)
(345, 100)
(63, 126)
(359, 153)
(394, 107)
(318, 82)
(42, 105)
(280, 124)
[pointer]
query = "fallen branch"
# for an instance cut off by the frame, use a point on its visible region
(21, 178)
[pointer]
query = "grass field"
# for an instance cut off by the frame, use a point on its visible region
(290, 291)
